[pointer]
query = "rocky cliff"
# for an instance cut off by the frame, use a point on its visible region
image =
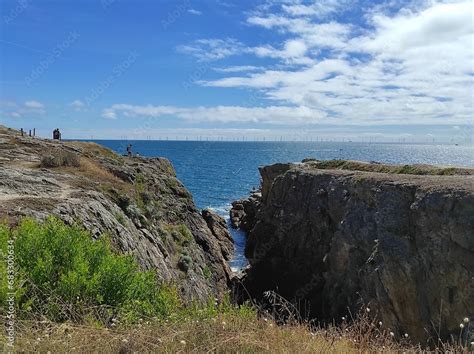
(334, 236)
(138, 202)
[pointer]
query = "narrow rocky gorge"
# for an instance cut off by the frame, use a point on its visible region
(137, 202)
(337, 236)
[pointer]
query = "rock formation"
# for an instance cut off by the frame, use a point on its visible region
(244, 211)
(138, 202)
(334, 236)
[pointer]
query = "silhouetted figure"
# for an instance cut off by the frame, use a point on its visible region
(22, 132)
(129, 150)
(56, 134)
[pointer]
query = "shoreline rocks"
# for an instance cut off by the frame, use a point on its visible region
(244, 211)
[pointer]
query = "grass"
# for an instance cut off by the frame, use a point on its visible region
(215, 328)
(387, 168)
(60, 158)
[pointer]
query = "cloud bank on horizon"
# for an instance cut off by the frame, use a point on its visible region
(296, 63)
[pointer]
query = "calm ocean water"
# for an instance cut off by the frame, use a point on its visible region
(217, 173)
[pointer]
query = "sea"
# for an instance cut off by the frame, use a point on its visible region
(219, 172)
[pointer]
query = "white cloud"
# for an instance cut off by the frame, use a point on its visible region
(224, 114)
(78, 105)
(412, 67)
(28, 108)
(319, 9)
(33, 105)
(109, 114)
(194, 12)
(213, 49)
(235, 69)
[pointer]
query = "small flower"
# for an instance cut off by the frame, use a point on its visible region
(461, 326)
(472, 345)
(406, 335)
(183, 342)
(380, 323)
(466, 320)
(343, 318)
(367, 309)
(265, 319)
(392, 334)
(223, 323)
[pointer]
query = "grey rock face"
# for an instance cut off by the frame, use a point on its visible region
(139, 202)
(401, 244)
(243, 212)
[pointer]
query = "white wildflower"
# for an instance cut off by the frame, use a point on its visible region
(183, 342)
(466, 320)
(368, 309)
(392, 334)
(265, 320)
(343, 318)
(406, 335)
(380, 323)
(461, 326)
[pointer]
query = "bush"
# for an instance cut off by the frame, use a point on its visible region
(63, 274)
(60, 158)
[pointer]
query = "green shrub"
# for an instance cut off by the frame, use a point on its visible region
(207, 272)
(60, 158)
(185, 262)
(63, 274)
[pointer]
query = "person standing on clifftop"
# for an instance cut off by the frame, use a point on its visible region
(56, 134)
(129, 150)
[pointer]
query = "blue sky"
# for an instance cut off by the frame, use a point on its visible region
(214, 68)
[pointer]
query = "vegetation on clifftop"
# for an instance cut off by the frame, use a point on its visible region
(387, 168)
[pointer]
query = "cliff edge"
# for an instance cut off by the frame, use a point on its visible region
(138, 202)
(338, 235)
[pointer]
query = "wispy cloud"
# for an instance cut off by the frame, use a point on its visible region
(195, 12)
(236, 69)
(213, 49)
(78, 105)
(18, 110)
(224, 114)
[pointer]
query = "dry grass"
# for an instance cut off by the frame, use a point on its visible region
(94, 150)
(94, 172)
(60, 158)
(416, 169)
(223, 333)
